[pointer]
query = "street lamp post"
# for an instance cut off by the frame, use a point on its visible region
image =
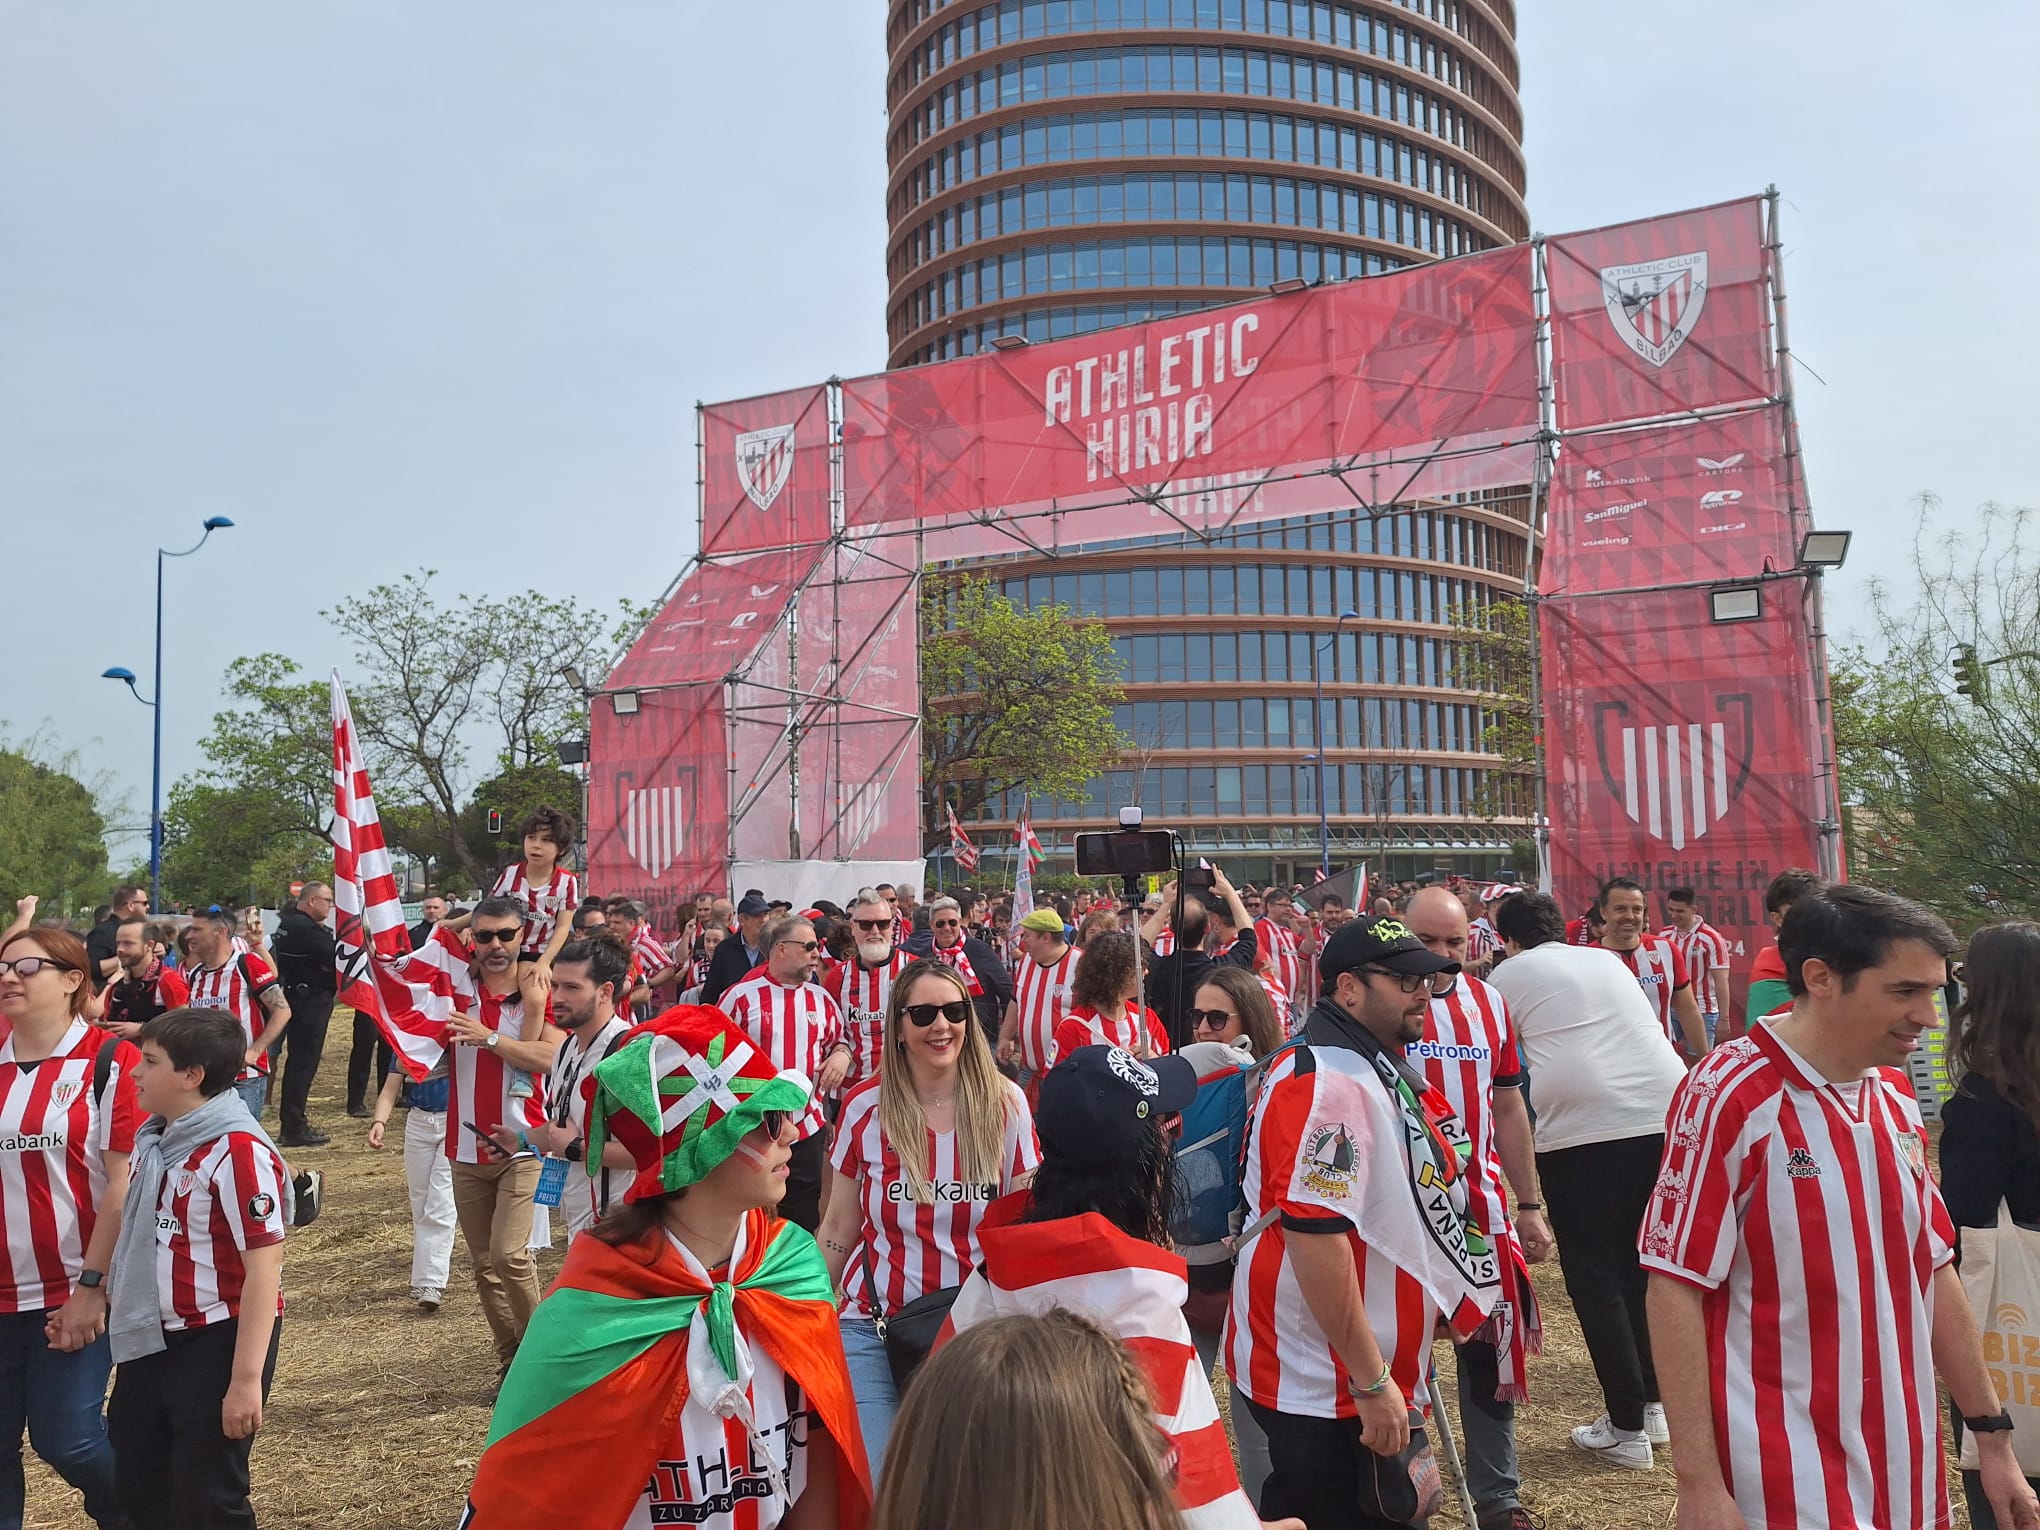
(127, 677)
(1317, 676)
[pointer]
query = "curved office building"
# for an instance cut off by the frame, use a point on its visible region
(1060, 166)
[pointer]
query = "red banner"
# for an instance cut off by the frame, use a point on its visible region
(1668, 505)
(1681, 752)
(1364, 374)
(765, 472)
(1660, 316)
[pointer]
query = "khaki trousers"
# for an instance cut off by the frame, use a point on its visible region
(493, 1203)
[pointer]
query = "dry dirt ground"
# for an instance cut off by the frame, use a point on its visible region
(379, 1410)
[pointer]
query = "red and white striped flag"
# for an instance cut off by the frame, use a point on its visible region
(1135, 1291)
(960, 846)
(370, 939)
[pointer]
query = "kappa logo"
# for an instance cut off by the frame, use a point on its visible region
(1712, 465)
(1654, 304)
(1677, 779)
(764, 463)
(1715, 499)
(1660, 1240)
(1801, 1164)
(1671, 1185)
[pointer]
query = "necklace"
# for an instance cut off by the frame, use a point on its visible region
(933, 1104)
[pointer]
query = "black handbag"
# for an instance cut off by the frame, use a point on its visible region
(909, 1333)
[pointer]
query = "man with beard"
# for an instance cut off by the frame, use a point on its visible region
(145, 987)
(862, 986)
(1353, 1170)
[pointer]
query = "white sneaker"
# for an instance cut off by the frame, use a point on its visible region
(1628, 1449)
(428, 1297)
(1655, 1429)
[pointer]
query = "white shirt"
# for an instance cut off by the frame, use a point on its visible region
(1601, 1066)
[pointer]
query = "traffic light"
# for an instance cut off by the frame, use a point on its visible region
(1968, 673)
(495, 820)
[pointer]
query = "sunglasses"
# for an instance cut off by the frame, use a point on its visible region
(29, 966)
(945, 924)
(774, 1122)
(956, 1012)
(490, 937)
(872, 926)
(1212, 1017)
(1410, 982)
(809, 946)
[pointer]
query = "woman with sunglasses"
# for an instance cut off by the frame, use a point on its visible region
(1103, 1004)
(67, 1090)
(685, 1367)
(921, 1150)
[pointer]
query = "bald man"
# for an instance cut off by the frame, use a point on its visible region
(1469, 1052)
(303, 949)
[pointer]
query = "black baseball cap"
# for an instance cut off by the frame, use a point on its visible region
(753, 906)
(1384, 943)
(1097, 1102)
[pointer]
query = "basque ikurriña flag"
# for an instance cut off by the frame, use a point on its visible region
(370, 938)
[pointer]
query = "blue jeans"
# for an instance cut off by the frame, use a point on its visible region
(58, 1398)
(871, 1383)
(254, 1094)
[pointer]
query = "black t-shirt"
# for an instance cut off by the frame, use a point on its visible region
(99, 946)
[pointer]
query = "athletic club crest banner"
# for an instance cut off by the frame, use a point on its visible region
(765, 472)
(1661, 316)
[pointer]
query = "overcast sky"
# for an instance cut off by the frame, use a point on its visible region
(402, 286)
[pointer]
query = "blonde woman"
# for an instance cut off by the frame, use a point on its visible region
(921, 1150)
(1029, 1423)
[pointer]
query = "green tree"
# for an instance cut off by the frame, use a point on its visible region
(53, 843)
(1943, 790)
(1493, 658)
(1011, 698)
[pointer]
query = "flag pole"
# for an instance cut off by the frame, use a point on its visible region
(1448, 1447)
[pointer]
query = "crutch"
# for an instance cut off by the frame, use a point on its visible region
(1448, 1447)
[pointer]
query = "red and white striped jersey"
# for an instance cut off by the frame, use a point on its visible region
(224, 1199)
(862, 993)
(544, 905)
(1135, 1291)
(54, 1137)
(1042, 995)
(713, 1477)
(1280, 945)
(919, 1247)
(1805, 1212)
(652, 956)
(478, 1080)
(1661, 972)
(794, 1024)
(1704, 949)
(138, 1000)
(237, 987)
(569, 1091)
(1481, 941)
(1468, 1052)
(1164, 942)
(1275, 1351)
(1085, 1027)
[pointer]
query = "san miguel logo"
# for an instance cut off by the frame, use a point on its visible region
(764, 462)
(1655, 304)
(1677, 779)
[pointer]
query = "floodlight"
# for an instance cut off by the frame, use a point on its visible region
(1824, 549)
(624, 703)
(1735, 603)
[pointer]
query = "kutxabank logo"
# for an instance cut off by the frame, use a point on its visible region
(1676, 779)
(1654, 304)
(764, 462)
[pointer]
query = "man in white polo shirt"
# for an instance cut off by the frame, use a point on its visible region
(1602, 1071)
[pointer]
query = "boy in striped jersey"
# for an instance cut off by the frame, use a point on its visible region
(197, 1282)
(547, 891)
(1802, 1286)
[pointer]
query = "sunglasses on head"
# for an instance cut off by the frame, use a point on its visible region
(1213, 1017)
(490, 937)
(29, 966)
(956, 1012)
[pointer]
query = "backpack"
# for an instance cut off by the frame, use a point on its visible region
(1210, 1155)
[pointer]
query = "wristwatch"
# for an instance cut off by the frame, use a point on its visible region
(494, 1037)
(1999, 1422)
(92, 1280)
(575, 1151)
